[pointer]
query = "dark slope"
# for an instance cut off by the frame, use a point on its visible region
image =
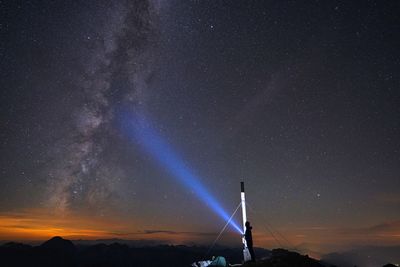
(285, 258)
(60, 252)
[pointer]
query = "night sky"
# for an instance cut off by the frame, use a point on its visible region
(300, 99)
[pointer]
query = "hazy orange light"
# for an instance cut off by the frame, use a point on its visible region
(39, 225)
(42, 225)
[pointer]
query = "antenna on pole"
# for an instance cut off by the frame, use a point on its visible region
(246, 253)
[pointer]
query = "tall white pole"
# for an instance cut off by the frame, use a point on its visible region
(242, 197)
(246, 254)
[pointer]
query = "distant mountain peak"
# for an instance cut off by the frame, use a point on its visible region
(58, 243)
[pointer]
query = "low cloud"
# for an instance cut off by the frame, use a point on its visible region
(388, 199)
(321, 240)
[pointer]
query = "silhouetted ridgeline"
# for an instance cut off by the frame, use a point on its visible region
(365, 256)
(60, 252)
(285, 258)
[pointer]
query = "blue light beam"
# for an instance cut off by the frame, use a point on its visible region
(152, 143)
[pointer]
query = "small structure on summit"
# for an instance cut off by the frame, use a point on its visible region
(247, 239)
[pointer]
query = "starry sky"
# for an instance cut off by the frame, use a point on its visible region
(299, 99)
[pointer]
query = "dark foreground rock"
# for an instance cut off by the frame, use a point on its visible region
(60, 252)
(285, 258)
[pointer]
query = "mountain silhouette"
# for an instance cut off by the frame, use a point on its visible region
(364, 256)
(58, 244)
(284, 258)
(61, 252)
(57, 251)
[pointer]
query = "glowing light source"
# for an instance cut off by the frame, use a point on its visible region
(152, 143)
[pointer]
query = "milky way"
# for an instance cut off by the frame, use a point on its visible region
(83, 175)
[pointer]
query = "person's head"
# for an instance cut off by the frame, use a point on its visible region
(247, 224)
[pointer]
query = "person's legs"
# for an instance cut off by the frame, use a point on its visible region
(253, 257)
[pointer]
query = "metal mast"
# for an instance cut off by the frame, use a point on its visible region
(242, 197)
(246, 254)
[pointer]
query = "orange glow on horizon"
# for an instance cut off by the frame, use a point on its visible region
(40, 225)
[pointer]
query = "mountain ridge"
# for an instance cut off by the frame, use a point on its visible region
(58, 251)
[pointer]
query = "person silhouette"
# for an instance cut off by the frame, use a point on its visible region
(249, 240)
